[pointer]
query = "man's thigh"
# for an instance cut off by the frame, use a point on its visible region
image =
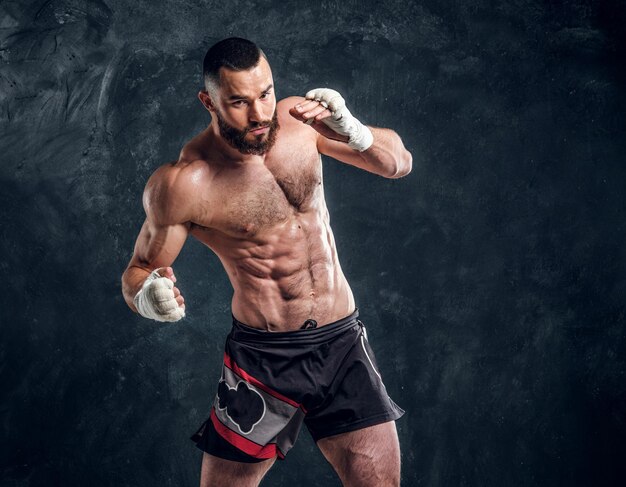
(217, 472)
(365, 457)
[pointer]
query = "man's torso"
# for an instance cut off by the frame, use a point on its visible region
(268, 223)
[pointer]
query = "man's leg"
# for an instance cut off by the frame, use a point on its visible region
(217, 472)
(368, 457)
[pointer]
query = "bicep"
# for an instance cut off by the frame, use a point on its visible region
(158, 245)
(167, 223)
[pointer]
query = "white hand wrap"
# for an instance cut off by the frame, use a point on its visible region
(155, 299)
(341, 120)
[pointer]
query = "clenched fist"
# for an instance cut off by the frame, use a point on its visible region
(325, 110)
(158, 298)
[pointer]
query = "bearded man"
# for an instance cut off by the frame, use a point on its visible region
(250, 188)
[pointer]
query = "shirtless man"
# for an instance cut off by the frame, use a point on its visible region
(250, 188)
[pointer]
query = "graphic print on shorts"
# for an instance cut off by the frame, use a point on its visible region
(243, 405)
(252, 416)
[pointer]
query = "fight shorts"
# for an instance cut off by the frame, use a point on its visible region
(272, 382)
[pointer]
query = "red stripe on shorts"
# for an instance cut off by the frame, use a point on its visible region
(244, 444)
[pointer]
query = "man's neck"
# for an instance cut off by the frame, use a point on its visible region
(215, 142)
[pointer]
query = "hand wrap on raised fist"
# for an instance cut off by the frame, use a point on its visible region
(341, 120)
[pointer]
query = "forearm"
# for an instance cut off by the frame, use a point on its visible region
(132, 281)
(387, 155)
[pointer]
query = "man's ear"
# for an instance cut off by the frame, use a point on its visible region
(205, 99)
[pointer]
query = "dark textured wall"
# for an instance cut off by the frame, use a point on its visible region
(491, 278)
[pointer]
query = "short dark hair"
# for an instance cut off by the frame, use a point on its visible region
(233, 53)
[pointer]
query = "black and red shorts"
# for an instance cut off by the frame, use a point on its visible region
(272, 382)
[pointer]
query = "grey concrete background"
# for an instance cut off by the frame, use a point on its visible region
(491, 278)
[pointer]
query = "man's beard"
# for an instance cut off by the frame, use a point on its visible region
(237, 138)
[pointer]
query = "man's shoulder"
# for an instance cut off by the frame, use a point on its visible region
(290, 101)
(192, 168)
(283, 106)
(172, 189)
(180, 175)
(290, 124)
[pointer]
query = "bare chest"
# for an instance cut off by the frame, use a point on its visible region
(253, 197)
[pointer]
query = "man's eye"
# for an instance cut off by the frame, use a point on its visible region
(265, 95)
(238, 102)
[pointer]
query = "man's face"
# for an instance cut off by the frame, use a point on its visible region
(241, 139)
(245, 107)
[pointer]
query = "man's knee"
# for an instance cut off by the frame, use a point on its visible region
(217, 472)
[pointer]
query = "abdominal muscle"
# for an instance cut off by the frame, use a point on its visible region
(267, 221)
(284, 274)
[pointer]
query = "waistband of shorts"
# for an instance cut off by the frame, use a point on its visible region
(245, 333)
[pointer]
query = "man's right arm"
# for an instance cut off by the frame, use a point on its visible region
(167, 203)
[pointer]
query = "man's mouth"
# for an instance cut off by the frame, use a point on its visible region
(261, 130)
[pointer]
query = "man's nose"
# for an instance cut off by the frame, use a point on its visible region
(255, 114)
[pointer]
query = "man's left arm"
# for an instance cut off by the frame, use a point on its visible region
(343, 137)
(386, 156)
